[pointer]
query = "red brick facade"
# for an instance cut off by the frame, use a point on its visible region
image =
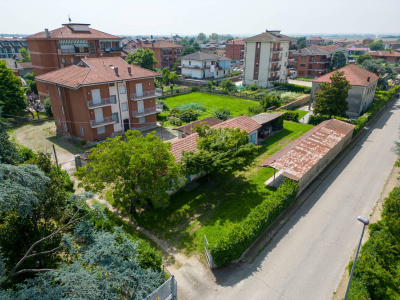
(235, 49)
(165, 53)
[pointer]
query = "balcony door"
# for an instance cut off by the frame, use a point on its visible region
(98, 114)
(139, 90)
(96, 97)
(140, 105)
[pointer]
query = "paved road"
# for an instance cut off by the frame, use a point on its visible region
(308, 256)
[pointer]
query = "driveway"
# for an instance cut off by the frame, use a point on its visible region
(300, 82)
(308, 255)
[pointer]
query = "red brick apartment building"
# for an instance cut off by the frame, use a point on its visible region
(166, 53)
(101, 97)
(388, 56)
(313, 41)
(235, 49)
(67, 45)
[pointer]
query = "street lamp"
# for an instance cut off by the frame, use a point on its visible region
(365, 222)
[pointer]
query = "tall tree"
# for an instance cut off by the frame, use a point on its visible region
(25, 55)
(139, 169)
(363, 58)
(301, 42)
(332, 101)
(338, 60)
(12, 98)
(196, 46)
(381, 68)
(214, 36)
(8, 150)
(188, 50)
(376, 46)
(144, 57)
(31, 82)
(201, 36)
(220, 151)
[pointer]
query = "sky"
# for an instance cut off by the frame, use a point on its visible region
(185, 17)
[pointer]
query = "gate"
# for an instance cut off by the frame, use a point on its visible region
(167, 291)
(208, 253)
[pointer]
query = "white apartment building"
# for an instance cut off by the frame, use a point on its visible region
(266, 58)
(200, 65)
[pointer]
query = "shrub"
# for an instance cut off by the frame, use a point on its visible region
(222, 114)
(189, 115)
(360, 123)
(254, 86)
(195, 89)
(316, 119)
(255, 110)
(175, 121)
(291, 116)
(47, 107)
(270, 101)
(163, 103)
(83, 143)
(227, 85)
(26, 153)
(294, 87)
(234, 73)
(243, 234)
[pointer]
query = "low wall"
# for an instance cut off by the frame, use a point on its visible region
(295, 104)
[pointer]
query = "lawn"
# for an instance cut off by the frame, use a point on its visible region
(218, 202)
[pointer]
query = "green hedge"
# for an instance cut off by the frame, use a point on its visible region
(380, 100)
(294, 87)
(291, 116)
(316, 119)
(243, 234)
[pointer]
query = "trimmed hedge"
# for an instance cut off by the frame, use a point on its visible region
(243, 234)
(360, 123)
(294, 87)
(316, 119)
(291, 116)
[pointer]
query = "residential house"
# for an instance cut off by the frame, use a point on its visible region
(67, 45)
(363, 86)
(200, 65)
(13, 65)
(306, 157)
(314, 41)
(166, 53)
(387, 56)
(190, 128)
(360, 50)
(314, 60)
(395, 45)
(10, 46)
(266, 58)
(101, 97)
(235, 49)
(26, 67)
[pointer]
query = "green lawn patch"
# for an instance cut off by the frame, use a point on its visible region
(218, 202)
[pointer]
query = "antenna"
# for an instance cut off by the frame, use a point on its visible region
(69, 19)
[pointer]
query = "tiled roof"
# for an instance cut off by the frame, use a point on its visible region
(314, 38)
(264, 118)
(359, 49)
(66, 32)
(161, 44)
(297, 158)
(384, 53)
(26, 65)
(189, 143)
(269, 37)
(204, 56)
(95, 70)
(312, 50)
(11, 64)
(330, 48)
(236, 42)
(354, 74)
(191, 127)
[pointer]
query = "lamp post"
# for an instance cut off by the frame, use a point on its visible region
(365, 222)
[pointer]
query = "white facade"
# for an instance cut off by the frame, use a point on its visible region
(205, 69)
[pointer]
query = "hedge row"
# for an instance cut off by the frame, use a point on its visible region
(291, 116)
(294, 87)
(316, 119)
(243, 234)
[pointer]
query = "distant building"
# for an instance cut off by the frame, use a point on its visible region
(367, 41)
(101, 97)
(235, 49)
(66, 46)
(353, 49)
(361, 94)
(395, 45)
(266, 58)
(18, 68)
(9, 47)
(166, 53)
(313, 41)
(387, 56)
(200, 65)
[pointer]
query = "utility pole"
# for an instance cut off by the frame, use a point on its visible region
(55, 155)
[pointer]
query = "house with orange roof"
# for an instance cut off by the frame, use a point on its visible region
(165, 52)
(313, 41)
(387, 56)
(361, 94)
(101, 97)
(66, 46)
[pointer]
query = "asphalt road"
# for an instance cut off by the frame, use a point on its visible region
(308, 256)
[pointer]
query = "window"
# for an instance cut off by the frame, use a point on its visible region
(190, 62)
(115, 117)
(258, 45)
(58, 121)
(81, 128)
(302, 65)
(286, 54)
(63, 60)
(113, 99)
(72, 61)
(256, 65)
(65, 127)
(62, 110)
(59, 92)
(111, 84)
(224, 71)
(142, 120)
(92, 48)
(285, 63)
(124, 106)
(257, 55)
(304, 57)
(101, 130)
(122, 89)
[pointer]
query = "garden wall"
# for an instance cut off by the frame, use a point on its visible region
(296, 103)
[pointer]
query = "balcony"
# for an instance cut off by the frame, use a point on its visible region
(159, 108)
(145, 112)
(144, 95)
(193, 67)
(73, 51)
(111, 49)
(103, 102)
(103, 122)
(277, 49)
(276, 59)
(320, 62)
(273, 78)
(275, 69)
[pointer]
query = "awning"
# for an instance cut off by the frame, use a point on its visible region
(76, 43)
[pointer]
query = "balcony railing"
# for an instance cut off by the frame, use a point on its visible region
(72, 51)
(103, 102)
(144, 95)
(273, 78)
(276, 58)
(193, 66)
(275, 69)
(159, 108)
(104, 121)
(277, 49)
(145, 112)
(320, 62)
(111, 49)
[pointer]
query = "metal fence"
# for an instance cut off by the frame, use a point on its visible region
(167, 291)
(208, 253)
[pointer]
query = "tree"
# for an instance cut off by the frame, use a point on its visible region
(227, 85)
(144, 58)
(376, 46)
(270, 101)
(188, 50)
(209, 85)
(47, 107)
(222, 113)
(220, 151)
(8, 150)
(196, 46)
(30, 81)
(214, 36)
(139, 169)
(189, 115)
(301, 42)
(34, 104)
(338, 60)
(12, 98)
(25, 55)
(332, 101)
(201, 36)
(379, 67)
(363, 58)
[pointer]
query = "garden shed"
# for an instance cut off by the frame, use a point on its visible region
(269, 122)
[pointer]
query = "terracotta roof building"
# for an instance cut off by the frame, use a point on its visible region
(101, 97)
(388, 56)
(165, 52)
(235, 49)
(10, 46)
(67, 45)
(190, 128)
(361, 95)
(303, 159)
(313, 41)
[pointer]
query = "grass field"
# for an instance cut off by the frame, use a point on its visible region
(218, 202)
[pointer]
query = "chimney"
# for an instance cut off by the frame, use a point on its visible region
(15, 63)
(152, 44)
(129, 70)
(116, 71)
(368, 79)
(46, 30)
(136, 64)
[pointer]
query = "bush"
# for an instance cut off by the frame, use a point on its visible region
(83, 143)
(254, 86)
(294, 87)
(26, 153)
(175, 121)
(222, 114)
(255, 110)
(270, 101)
(360, 123)
(189, 115)
(304, 79)
(227, 85)
(195, 89)
(291, 116)
(163, 103)
(243, 234)
(47, 107)
(209, 85)
(233, 73)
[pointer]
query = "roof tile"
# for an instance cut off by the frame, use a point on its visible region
(354, 74)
